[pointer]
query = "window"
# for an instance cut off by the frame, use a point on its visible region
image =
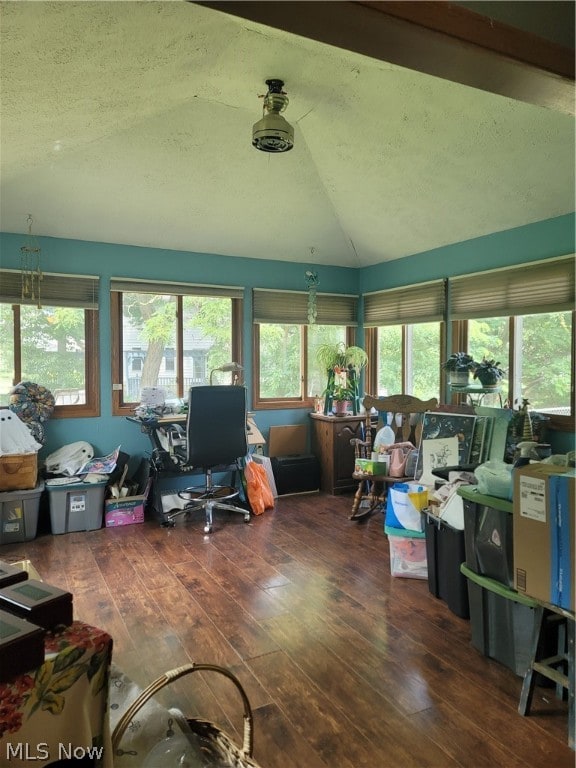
(407, 353)
(524, 317)
(521, 316)
(538, 360)
(171, 339)
(286, 373)
(55, 345)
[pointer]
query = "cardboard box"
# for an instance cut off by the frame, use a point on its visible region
(544, 533)
(126, 511)
(369, 467)
(287, 440)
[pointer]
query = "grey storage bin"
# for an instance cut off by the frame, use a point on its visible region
(502, 621)
(19, 514)
(488, 536)
(76, 507)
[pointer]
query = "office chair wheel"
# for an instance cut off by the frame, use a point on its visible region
(247, 517)
(207, 529)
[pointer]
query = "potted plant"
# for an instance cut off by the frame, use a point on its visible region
(342, 394)
(343, 365)
(488, 372)
(339, 356)
(459, 366)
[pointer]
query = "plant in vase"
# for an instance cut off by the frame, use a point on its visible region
(459, 366)
(488, 372)
(342, 394)
(343, 365)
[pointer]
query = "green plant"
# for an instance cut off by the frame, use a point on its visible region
(339, 358)
(459, 362)
(342, 393)
(488, 372)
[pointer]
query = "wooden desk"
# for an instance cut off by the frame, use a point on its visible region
(60, 710)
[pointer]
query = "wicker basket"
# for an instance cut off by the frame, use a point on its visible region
(216, 746)
(18, 471)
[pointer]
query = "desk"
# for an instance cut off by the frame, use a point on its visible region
(61, 706)
(168, 457)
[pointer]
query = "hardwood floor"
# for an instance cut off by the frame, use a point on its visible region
(345, 665)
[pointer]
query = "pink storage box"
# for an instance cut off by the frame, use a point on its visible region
(126, 511)
(407, 553)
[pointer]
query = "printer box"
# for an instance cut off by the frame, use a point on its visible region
(544, 533)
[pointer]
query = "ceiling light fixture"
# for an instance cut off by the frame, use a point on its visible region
(273, 133)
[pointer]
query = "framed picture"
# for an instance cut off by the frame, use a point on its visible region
(442, 425)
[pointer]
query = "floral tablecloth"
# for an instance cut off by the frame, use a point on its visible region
(60, 710)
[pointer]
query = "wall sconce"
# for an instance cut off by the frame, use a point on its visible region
(311, 284)
(234, 368)
(30, 272)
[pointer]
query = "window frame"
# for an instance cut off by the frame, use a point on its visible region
(121, 408)
(558, 422)
(91, 408)
(303, 400)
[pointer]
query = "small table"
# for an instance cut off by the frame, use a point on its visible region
(60, 710)
(476, 393)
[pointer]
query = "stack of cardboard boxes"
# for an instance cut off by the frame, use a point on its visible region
(544, 533)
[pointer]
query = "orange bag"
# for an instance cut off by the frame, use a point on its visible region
(257, 488)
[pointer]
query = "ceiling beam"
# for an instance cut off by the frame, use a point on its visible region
(435, 38)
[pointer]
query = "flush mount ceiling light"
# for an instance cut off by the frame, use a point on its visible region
(273, 133)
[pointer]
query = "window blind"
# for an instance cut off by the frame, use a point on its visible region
(159, 287)
(543, 286)
(56, 290)
(420, 303)
(291, 308)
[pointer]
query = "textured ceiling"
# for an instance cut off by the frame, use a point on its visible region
(131, 123)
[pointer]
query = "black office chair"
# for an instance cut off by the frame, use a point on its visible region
(216, 437)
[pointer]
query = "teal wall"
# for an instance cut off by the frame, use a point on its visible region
(542, 240)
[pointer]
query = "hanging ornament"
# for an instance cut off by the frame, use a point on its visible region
(31, 274)
(311, 284)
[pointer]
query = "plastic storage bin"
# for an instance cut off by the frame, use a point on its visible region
(502, 621)
(76, 507)
(488, 536)
(19, 514)
(445, 553)
(407, 553)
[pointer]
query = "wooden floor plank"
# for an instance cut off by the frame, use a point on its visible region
(344, 664)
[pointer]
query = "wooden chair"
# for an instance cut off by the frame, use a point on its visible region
(406, 423)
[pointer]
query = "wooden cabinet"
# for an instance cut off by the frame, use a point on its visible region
(331, 437)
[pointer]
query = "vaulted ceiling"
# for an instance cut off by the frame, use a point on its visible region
(131, 122)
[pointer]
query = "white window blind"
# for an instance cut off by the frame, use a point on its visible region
(291, 308)
(543, 286)
(420, 303)
(159, 287)
(56, 290)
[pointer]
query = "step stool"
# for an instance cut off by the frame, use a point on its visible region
(558, 668)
